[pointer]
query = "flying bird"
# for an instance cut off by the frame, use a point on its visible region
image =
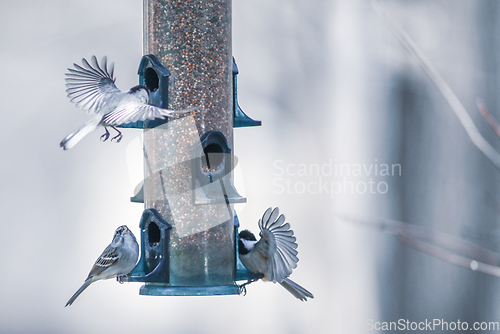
(92, 88)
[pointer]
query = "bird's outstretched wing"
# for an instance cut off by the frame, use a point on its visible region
(134, 111)
(108, 258)
(280, 243)
(89, 86)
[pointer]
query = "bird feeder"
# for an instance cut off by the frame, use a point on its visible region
(189, 228)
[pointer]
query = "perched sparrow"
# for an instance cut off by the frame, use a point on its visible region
(93, 89)
(118, 259)
(275, 254)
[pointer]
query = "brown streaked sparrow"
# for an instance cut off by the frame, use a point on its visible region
(118, 259)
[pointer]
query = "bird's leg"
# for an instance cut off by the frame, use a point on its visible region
(118, 137)
(121, 278)
(243, 289)
(105, 136)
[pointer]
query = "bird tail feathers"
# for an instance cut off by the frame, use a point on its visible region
(77, 135)
(298, 291)
(77, 293)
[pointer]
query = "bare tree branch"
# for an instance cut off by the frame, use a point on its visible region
(442, 86)
(440, 245)
(449, 257)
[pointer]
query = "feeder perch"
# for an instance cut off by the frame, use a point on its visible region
(240, 119)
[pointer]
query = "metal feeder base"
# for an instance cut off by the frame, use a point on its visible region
(165, 290)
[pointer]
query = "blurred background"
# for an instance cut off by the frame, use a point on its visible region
(342, 106)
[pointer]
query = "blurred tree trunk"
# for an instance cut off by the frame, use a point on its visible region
(447, 183)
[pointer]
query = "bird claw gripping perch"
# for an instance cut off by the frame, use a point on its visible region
(243, 288)
(120, 279)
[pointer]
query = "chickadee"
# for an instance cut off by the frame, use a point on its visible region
(93, 89)
(275, 254)
(118, 259)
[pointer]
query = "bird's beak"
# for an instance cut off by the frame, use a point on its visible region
(122, 229)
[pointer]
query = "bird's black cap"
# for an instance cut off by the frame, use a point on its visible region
(247, 235)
